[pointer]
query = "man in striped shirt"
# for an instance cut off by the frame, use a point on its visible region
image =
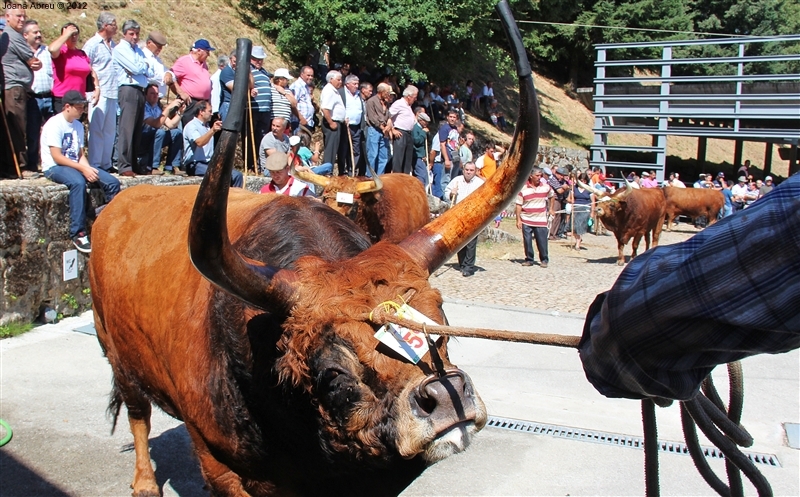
(532, 216)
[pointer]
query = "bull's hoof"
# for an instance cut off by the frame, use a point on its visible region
(149, 489)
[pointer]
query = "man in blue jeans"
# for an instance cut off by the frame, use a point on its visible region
(63, 162)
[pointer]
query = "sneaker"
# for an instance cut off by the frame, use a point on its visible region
(543, 264)
(81, 242)
(31, 174)
(156, 172)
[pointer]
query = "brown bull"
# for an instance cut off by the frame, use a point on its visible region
(631, 214)
(692, 202)
(259, 336)
(389, 207)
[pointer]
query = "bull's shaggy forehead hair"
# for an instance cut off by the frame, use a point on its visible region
(339, 296)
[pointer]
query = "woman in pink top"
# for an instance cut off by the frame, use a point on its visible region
(71, 66)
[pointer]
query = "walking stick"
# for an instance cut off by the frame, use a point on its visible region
(244, 181)
(352, 157)
(252, 137)
(10, 142)
(428, 176)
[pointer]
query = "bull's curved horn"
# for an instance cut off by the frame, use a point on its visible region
(628, 188)
(210, 247)
(373, 185)
(438, 240)
(310, 177)
(592, 189)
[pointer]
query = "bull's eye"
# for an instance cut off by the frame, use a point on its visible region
(337, 391)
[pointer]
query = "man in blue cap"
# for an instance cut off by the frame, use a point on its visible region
(189, 78)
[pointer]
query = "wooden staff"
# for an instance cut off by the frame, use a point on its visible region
(252, 137)
(428, 177)
(10, 142)
(352, 156)
(244, 181)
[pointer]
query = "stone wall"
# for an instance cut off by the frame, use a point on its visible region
(34, 234)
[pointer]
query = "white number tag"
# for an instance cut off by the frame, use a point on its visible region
(408, 343)
(344, 198)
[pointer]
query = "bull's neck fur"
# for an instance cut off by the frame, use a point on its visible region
(257, 384)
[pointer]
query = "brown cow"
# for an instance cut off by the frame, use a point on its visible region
(389, 207)
(631, 214)
(692, 202)
(260, 339)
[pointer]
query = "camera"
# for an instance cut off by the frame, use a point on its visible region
(174, 109)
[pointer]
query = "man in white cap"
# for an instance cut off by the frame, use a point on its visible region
(283, 100)
(300, 156)
(282, 182)
(261, 103)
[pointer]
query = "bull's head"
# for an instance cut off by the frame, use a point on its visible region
(372, 405)
(333, 186)
(609, 206)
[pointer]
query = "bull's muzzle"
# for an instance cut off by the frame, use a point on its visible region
(447, 399)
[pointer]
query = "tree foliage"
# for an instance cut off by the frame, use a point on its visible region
(416, 37)
(441, 39)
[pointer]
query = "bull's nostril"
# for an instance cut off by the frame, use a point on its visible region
(426, 404)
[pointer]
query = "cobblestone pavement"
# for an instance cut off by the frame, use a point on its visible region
(568, 285)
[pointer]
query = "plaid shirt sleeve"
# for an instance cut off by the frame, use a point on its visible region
(678, 311)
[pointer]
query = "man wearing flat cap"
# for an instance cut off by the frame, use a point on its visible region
(558, 182)
(63, 162)
(189, 78)
(155, 42)
(419, 135)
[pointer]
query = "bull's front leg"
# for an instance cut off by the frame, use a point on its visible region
(219, 477)
(635, 244)
(621, 252)
(144, 478)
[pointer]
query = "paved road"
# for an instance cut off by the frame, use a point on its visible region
(568, 285)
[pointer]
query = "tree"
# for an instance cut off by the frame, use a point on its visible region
(415, 37)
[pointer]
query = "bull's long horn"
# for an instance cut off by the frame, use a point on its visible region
(373, 185)
(591, 189)
(310, 177)
(210, 247)
(438, 240)
(628, 188)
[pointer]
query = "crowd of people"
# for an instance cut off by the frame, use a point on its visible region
(369, 124)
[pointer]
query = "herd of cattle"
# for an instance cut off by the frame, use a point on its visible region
(632, 213)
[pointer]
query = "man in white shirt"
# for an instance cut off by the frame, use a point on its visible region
(155, 42)
(103, 115)
(40, 107)
(333, 119)
(63, 162)
(303, 90)
(354, 109)
(457, 190)
(216, 86)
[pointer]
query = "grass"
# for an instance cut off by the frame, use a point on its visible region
(14, 329)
